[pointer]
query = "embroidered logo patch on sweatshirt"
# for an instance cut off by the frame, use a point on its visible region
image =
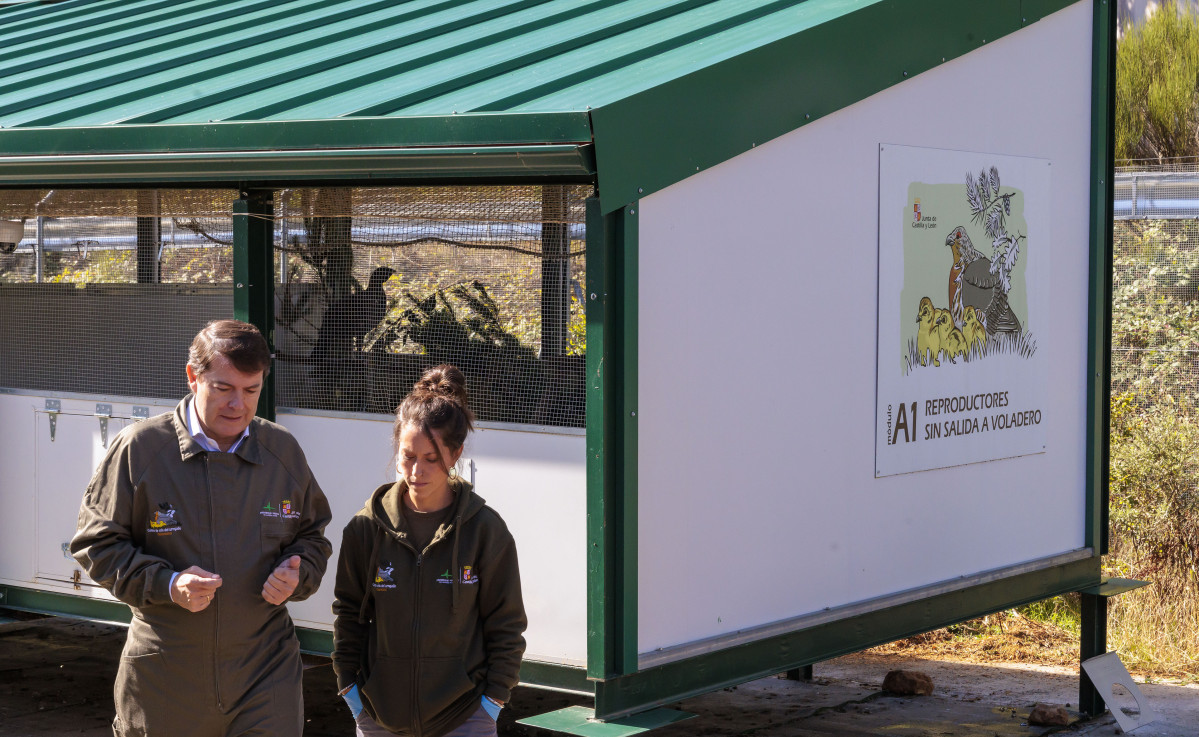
(467, 576)
(383, 579)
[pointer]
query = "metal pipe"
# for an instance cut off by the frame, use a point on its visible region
(39, 258)
(283, 236)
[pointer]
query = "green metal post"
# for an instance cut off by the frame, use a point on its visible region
(1093, 626)
(1099, 344)
(253, 275)
(802, 673)
(611, 446)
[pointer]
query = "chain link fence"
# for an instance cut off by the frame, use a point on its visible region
(101, 291)
(1155, 303)
(378, 284)
(104, 290)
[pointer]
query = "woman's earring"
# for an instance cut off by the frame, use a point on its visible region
(453, 472)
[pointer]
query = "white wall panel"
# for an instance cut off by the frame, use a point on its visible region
(18, 507)
(758, 278)
(536, 481)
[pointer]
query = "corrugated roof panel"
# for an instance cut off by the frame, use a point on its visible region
(503, 47)
(684, 52)
(418, 57)
(191, 77)
(100, 63)
(79, 61)
(565, 81)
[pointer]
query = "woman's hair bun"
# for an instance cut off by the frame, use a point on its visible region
(443, 380)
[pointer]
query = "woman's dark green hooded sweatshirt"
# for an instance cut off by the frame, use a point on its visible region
(426, 633)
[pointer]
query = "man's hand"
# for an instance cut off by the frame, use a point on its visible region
(282, 581)
(194, 588)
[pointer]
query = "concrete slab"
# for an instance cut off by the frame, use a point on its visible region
(56, 680)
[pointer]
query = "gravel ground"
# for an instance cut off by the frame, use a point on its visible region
(56, 680)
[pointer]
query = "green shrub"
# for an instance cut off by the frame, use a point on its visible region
(1154, 487)
(1157, 87)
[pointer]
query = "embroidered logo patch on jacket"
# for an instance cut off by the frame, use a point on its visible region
(283, 510)
(467, 576)
(164, 521)
(383, 579)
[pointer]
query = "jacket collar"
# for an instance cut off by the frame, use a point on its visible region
(248, 450)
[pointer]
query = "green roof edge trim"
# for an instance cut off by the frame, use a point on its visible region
(467, 129)
(655, 138)
(563, 162)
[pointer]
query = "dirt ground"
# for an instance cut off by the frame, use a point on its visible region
(56, 680)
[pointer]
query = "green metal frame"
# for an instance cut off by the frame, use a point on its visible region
(506, 146)
(431, 131)
(1103, 96)
(373, 166)
(316, 642)
(254, 276)
(647, 141)
(1093, 627)
(622, 690)
(611, 442)
(579, 720)
(623, 695)
(67, 605)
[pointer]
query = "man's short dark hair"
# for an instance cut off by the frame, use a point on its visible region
(238, 341)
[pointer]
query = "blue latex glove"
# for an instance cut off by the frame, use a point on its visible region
(492, 708)
(353, 701)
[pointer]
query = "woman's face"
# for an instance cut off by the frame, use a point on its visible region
(419, 465)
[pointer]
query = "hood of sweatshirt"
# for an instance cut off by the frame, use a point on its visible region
(385, 509)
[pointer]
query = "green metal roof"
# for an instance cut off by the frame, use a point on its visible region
(500, 81)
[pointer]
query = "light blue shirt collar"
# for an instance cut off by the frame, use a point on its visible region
(197, 430)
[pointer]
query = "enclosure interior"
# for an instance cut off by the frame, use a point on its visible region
(757, 363)
(104, 292)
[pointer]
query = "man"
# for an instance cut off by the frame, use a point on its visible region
(205, 521)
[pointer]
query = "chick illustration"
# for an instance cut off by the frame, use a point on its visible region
(972, 329)
(944, 326)
(954, 345)
(928, 340)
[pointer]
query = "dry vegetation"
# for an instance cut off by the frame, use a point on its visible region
(1154, 482)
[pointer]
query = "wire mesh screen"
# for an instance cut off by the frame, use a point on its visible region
(104, 289)
(378, 284)
(1155, 302)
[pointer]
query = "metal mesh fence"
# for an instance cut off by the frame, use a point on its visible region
(104, 289)
(1155, 303)
(378, 284)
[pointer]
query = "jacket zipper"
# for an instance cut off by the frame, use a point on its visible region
(216, 620)
(418, 727)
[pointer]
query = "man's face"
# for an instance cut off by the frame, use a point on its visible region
(226, 399)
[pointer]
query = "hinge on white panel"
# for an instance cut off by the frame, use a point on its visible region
(103, 411)
(53, 407)
(77, 579)
(140, 413)
(66, 551)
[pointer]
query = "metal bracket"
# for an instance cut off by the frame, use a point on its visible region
(77, 579)
(53, 407)
(103, 411)
(66, 551)
(140, 413)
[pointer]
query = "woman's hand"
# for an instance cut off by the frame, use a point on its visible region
(492, 707)
(353, 700)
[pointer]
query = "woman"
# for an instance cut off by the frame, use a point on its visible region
(427, 635)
